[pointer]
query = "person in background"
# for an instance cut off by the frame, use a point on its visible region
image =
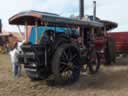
(15, 50)
(16, 67)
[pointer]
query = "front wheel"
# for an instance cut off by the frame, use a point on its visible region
(93, 62)
(65, 64)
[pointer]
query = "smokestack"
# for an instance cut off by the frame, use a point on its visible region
(81, 9)
(94, 10)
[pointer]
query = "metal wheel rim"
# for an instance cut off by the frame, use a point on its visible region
(67, 63)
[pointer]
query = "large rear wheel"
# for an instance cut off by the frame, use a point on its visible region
(65, 64)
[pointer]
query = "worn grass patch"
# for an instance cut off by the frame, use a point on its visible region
(110, 81)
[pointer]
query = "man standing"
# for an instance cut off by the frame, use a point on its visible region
(15, 50)
(16, 67)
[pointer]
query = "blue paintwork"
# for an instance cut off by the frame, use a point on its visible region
(42, 29)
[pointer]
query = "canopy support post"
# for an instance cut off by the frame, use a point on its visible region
(36, 30)
(26, 32)
(105, 31)
(93, 33)
(82, 36)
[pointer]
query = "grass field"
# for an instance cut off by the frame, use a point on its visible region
(110, 81)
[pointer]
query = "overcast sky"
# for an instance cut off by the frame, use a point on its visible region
(115, 10)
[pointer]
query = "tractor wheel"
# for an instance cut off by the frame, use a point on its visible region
(65, 64)
(93, 62)
(110, 52)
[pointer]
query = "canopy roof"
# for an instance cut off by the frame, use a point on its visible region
(51, 19)
(109, 25)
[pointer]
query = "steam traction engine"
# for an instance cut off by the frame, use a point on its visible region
(59, 56)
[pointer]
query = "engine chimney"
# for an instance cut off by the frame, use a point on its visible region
(94, 10)
(81, 9)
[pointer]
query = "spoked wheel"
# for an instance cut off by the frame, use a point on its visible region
(94, 62)
(65, 65)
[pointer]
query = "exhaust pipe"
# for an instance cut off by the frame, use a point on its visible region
(81, 9)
